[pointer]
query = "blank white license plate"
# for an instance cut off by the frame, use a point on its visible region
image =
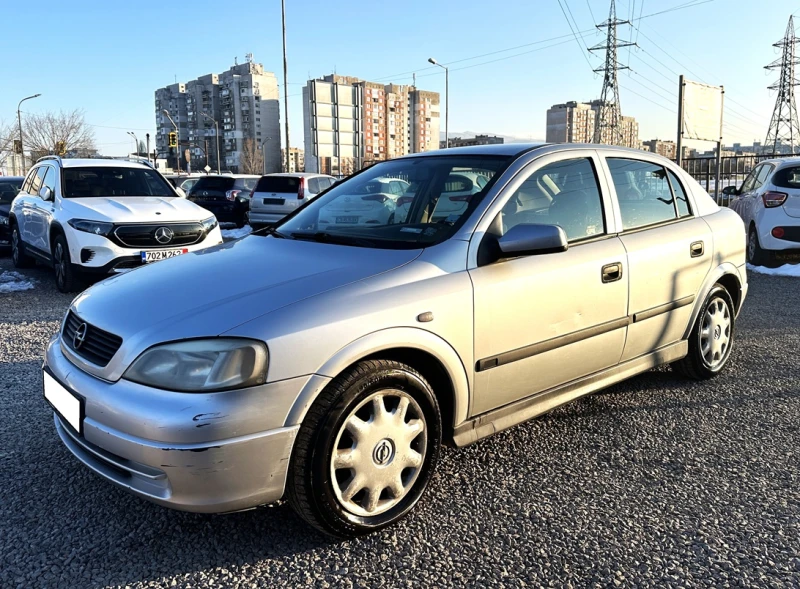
(347, 219)
(155, 256)
(65, 403)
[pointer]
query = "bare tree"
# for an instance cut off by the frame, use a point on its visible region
(8, 133)
(251, 159)
(54, 132)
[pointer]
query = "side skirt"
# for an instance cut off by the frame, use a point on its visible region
(523, 410)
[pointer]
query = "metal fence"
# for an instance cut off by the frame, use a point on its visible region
(733, 169)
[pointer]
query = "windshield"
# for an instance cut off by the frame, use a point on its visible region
(8, 189)
(113, 182)
(214, 184)
(403, 203)
(278, 184)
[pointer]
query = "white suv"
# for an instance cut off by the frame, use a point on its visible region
(102, 216)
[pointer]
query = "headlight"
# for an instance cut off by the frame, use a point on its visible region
(3, 220)
(209, 224)
(202, 366)
(96, 227)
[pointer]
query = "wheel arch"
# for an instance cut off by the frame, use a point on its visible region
(728, 276)
(424, 351)
(56, 229)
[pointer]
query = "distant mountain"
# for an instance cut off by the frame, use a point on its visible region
(506, 138)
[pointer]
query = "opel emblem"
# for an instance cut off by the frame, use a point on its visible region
(164, 235)
(80, 336)
(383, 452)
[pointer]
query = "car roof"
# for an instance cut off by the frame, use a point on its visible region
(782, 161)
(513, 149)
(95, 163)
(298, 175)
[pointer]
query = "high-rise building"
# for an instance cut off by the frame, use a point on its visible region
(296, 160)
(477, 140)
(242, 100)
(574, 122)
(666, 148)
(350, 123)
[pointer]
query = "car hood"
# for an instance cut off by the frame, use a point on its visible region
(208, 292)
(135, 209)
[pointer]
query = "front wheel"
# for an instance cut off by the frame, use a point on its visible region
(366, 450)
(711, 340)
(67, 279)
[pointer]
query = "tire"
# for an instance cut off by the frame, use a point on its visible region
(241, 221)
(711, 340)
(67, 279)
(398, 463)
(755, 255)
(18, 255)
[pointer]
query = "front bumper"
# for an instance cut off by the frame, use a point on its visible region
(209, 453)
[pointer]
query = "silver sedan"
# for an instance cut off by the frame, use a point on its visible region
(327, 363)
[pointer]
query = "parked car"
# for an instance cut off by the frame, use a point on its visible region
(327, 363)
(95, 217)
(187, 184)
(458, 189)
(9, 187)
(371, 201)
(227, 196)
(769, 204)
(277, 195)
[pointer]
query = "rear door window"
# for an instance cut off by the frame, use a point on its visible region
(38, 180)
(680, 195)
(313, 185)
(643, 192)
(278, 184)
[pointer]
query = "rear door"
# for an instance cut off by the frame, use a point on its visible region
(668, 251)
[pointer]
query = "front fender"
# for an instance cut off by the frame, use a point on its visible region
(388, 339)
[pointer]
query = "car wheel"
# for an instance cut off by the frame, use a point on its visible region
(755, 255)
(18, 255)
(240, 221)
(366, 450)
(66, 277)
(711, 340)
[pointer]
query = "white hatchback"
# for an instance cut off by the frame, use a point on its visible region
(277, 195)
(369, 202)
(769, 204)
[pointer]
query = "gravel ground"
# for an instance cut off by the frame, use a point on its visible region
(655, 482)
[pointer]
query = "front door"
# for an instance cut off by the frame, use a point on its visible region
(545, 320)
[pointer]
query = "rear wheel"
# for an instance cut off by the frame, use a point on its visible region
(18, 255)
(366, 450)
(755, 255)
(67, 279)
(711, 340)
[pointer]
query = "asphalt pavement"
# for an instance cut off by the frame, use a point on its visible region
(658, 481)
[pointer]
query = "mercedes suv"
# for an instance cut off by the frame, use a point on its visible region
(94, 217)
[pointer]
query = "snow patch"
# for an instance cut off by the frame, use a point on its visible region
(785, 270)
(236, 233)
(14, 282)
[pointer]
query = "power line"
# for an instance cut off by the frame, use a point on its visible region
(590, 11)
(580, 45)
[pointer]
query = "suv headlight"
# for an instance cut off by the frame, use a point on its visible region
(96, 227)
(209, 224)
(202, 366)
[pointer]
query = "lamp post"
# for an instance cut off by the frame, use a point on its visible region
(216, 134)
(285, 81)
(264, 153)
(446, 101)
(135, 141)
(178, 138)
(19, 120)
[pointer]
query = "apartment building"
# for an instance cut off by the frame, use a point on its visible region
(350, 123)
(245, 105)
(477, 140)
(575, 122)
(666, 148)
(296, 160)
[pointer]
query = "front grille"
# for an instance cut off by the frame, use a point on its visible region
(139, 236)
(98, 346)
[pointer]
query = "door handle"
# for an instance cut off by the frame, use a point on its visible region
(697, 249)
(612, 272)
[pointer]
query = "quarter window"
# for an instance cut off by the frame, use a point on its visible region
(643, 192)
(563, 193)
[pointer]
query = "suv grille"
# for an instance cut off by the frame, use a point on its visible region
(98, 346)
(145, 235)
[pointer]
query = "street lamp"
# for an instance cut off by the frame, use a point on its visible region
(446, 101)
(264, 154)
(216, 134)
(178, 138)
(19, 120)
(135, 141)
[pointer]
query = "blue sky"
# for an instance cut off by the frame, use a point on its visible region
(108, 57)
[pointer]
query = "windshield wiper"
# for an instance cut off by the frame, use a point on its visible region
(323, 237)
(270, 230)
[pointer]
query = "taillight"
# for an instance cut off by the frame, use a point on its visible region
(778, 232)
(464, 198)
(774, 199)
(301, 189)
(381, 198)
(232, 194)
(404, 200)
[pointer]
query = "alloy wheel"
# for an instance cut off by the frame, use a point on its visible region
(15, 245)
(58, 263)
(751, 246)
(378, 453)
(715, 333)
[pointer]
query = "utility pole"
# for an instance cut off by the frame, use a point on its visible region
(285, 81)
(607, 123)
(19, 120)
(784, 126)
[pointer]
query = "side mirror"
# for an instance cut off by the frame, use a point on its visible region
(532, 239)
(730, 191)
(180, 192)
(45, 193)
